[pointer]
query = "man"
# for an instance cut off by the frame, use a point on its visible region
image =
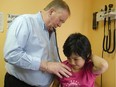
(30, 49)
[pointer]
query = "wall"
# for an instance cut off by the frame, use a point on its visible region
(79, 21)
(109, 77)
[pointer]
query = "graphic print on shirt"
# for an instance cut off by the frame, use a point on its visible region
(72, 83)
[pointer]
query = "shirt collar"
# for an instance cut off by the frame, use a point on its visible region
(40, 19)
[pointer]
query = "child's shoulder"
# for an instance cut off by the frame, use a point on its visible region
(65, 62)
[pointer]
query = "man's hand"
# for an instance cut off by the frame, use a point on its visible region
(56, 68)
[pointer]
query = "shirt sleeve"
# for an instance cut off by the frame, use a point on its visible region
(14, 49)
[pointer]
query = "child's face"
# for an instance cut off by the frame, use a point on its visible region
(76, 62)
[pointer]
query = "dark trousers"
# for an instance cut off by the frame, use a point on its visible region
(11, 81)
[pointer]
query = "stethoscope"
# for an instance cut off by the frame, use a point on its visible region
(57, 45)
(107, 36)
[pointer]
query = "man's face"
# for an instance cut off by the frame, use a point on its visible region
(57, 18)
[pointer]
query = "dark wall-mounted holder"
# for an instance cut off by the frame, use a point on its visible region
(95, 22)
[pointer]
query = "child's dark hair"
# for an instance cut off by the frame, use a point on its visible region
(78, 44)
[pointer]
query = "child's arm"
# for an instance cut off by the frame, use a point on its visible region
(55, 83)
(100, 64)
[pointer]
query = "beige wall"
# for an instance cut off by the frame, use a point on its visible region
(109, 77)
(79, 21)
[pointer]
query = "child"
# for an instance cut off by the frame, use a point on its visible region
(84, 65)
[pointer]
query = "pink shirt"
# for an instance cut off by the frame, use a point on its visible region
(83, 78)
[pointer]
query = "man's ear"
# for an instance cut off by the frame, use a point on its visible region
(51, 10)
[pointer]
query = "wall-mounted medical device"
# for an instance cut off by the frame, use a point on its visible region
(108, 16)
(104, 13)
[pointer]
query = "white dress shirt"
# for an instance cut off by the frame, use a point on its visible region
(27, 44)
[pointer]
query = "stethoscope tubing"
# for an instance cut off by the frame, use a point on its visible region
(107, 38)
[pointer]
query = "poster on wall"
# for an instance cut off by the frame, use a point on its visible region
(11, 17)
(1, 21)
